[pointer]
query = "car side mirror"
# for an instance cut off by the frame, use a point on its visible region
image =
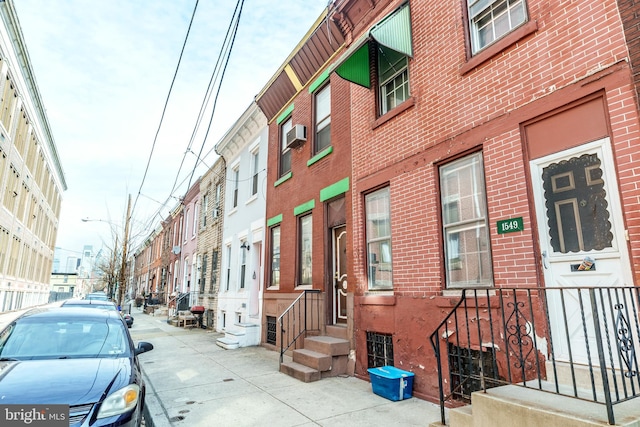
(143, 347)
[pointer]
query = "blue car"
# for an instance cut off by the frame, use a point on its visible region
(77, 357)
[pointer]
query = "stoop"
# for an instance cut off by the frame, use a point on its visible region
(322, 356)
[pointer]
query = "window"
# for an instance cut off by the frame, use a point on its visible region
(275, 256)
(216, 201)
(236, 183)
(393, 78)
(379, 349)
(228, 266)
(489, 20)
(464, 222)
(205, 209)
(203, 276)
(255, 161)
(378, 232)
(214, 269)
(305, 234)
(323, 119)
(285, 152)
(194, 228)
(243, 263)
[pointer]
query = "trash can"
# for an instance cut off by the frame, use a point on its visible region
(391, 383)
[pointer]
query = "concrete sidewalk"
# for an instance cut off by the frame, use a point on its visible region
(193, 382)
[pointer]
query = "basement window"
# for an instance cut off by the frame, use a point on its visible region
(379, 349)
(271, 330)
(469, 369)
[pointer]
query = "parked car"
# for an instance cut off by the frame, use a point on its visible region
(90, 303)
(97, 295)
(78, 357)
(95, 303)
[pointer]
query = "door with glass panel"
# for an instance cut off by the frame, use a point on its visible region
(582, 240)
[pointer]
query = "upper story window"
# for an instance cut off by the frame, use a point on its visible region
(323, 119)
(236, 184)
(387, 46)
(489, 20)
(194, 228)
(216, 201)
(255, 167)
(285, 152)
(393, 78)
(205, 209)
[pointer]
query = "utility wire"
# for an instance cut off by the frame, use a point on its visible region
(166, 102)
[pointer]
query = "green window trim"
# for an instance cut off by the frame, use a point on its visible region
(319, 81)
(284, 177)
(285, 114)
(320, 155)
(274, 220)
(304, 208)
(334, 190)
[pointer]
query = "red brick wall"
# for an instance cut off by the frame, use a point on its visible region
(306, 183)
(579, 49)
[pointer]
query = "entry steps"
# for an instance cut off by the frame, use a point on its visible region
(322, 356)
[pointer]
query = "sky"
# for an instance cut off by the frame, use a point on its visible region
(104, 71)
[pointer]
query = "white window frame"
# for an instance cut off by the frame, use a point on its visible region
(379, 258)
(322, 101)
(305, 250)
(395, 88)
(495, 19)
(466, 230)
(286, 126)
(255, 164)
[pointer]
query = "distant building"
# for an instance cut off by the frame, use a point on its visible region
(31, 173)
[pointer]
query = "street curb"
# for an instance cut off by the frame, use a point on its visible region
(155, 414)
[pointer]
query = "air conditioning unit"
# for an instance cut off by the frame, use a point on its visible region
(296, 136)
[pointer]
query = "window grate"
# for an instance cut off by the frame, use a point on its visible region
(271, 330)
(469, 368)
(379, 349)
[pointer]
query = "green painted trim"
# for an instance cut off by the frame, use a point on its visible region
(305, 207)
(283, 179)
(320, 155)
(318, 82)
(335, 189)
(275, 220)
(285, 114)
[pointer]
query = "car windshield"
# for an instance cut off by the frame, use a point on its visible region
(78, 338)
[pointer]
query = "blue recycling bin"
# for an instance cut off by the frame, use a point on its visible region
(391, 383)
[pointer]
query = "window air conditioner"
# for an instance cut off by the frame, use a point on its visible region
(296, 136)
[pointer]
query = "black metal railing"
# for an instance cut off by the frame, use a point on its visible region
(302, 316)
(578, 342)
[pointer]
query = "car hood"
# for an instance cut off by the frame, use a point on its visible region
(62, 381)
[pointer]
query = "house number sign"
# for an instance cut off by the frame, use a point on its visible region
(510, 225)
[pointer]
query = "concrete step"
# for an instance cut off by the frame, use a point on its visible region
(338, 331)
(300, 372)
(327, 345)
(460, 417)
(312, 359)
(227, 343)
(504, 406)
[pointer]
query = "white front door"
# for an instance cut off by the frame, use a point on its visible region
(582, 239)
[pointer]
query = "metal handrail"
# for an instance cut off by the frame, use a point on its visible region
(526, 336)
(302, 315)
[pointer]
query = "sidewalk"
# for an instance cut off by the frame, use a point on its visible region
(193, 382)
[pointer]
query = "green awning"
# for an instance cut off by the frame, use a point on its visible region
(355, 67)
(393, 31)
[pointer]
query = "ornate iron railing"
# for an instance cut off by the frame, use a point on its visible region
(303, 315)
(578, 342)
